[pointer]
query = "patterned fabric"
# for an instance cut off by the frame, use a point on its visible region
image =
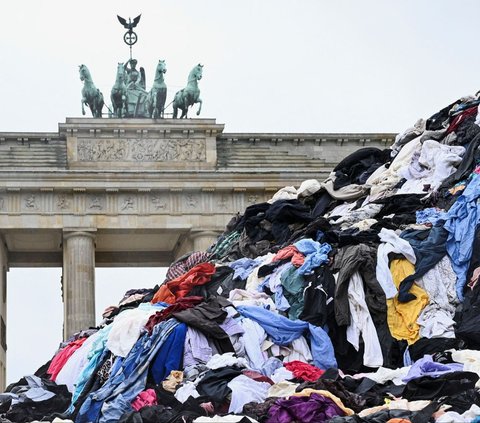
(185, 263)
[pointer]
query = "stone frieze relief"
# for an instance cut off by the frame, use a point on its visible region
(141, 150)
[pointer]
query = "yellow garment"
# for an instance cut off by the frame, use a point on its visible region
(334, 398)
(402, 317)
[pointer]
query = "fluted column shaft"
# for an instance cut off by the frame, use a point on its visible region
(78, 281)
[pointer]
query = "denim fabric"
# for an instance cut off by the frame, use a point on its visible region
(170, 354)
(114, 398)
(463, 217)
(283, 331)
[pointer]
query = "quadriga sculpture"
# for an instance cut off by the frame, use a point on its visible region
(91, 95)
(189, 95)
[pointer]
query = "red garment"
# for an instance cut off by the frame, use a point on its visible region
(145, 398)
(258, 377)
(180, 287)
(291, 251)
(461, 117)
(304, 371)
(62, 357)
(181, 304)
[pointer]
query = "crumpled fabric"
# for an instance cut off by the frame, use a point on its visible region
(285, 193)
(402, 317)
(436, 319)
(391, 243)
(430, 166)
(283, 331)
(181, 286)
(306, 409)
(185, 263)
(427, 367)
(462, 219)
(327, 394)
(227, 359)
(297, 258)
(430, 215)
(126, 329)
(304, 371)
(174, 378)
(466, 417)
(245, 390)
(308, 187)
(62, 357)
(145, 398)
(315, 253)
(244, 266)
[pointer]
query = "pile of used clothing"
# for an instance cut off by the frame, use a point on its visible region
(354, 299)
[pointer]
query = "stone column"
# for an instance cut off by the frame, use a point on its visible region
(202, 239)
(78, 281)
(3, 312)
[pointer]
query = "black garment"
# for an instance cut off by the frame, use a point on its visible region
(467, 165)
(214, 383)
(429, 247)
(323, 202)
(468, 318)
(259, 411)
(400, 204)
(440, 119)
(320, 224)
(475, 259)
(433, 345)
(352, 236)
(283, 213)
(318, 296)
(220, 283)
(206, 317)
(358, 166)
(362, 259)
(462, 401)
(36, 410)
(429, 388)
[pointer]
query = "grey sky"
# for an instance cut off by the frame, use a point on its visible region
(270, 66)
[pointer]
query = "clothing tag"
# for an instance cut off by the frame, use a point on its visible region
(219, 290)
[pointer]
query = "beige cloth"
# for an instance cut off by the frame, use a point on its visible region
(174, 378)
(308, 187)
(282, 389)
(285, 193)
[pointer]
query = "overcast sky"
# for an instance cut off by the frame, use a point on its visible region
(269, 66)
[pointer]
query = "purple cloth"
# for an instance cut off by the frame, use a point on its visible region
(313, 409)
(427, 367)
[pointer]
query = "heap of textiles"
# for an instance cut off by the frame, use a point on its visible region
(354, 299)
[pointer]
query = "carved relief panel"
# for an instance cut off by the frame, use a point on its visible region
(141, 150)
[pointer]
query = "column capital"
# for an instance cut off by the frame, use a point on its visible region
(75, 232)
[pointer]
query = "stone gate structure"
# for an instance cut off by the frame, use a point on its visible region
(138, 192)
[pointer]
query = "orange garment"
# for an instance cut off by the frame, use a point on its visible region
(291, 251)
(180, 287)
